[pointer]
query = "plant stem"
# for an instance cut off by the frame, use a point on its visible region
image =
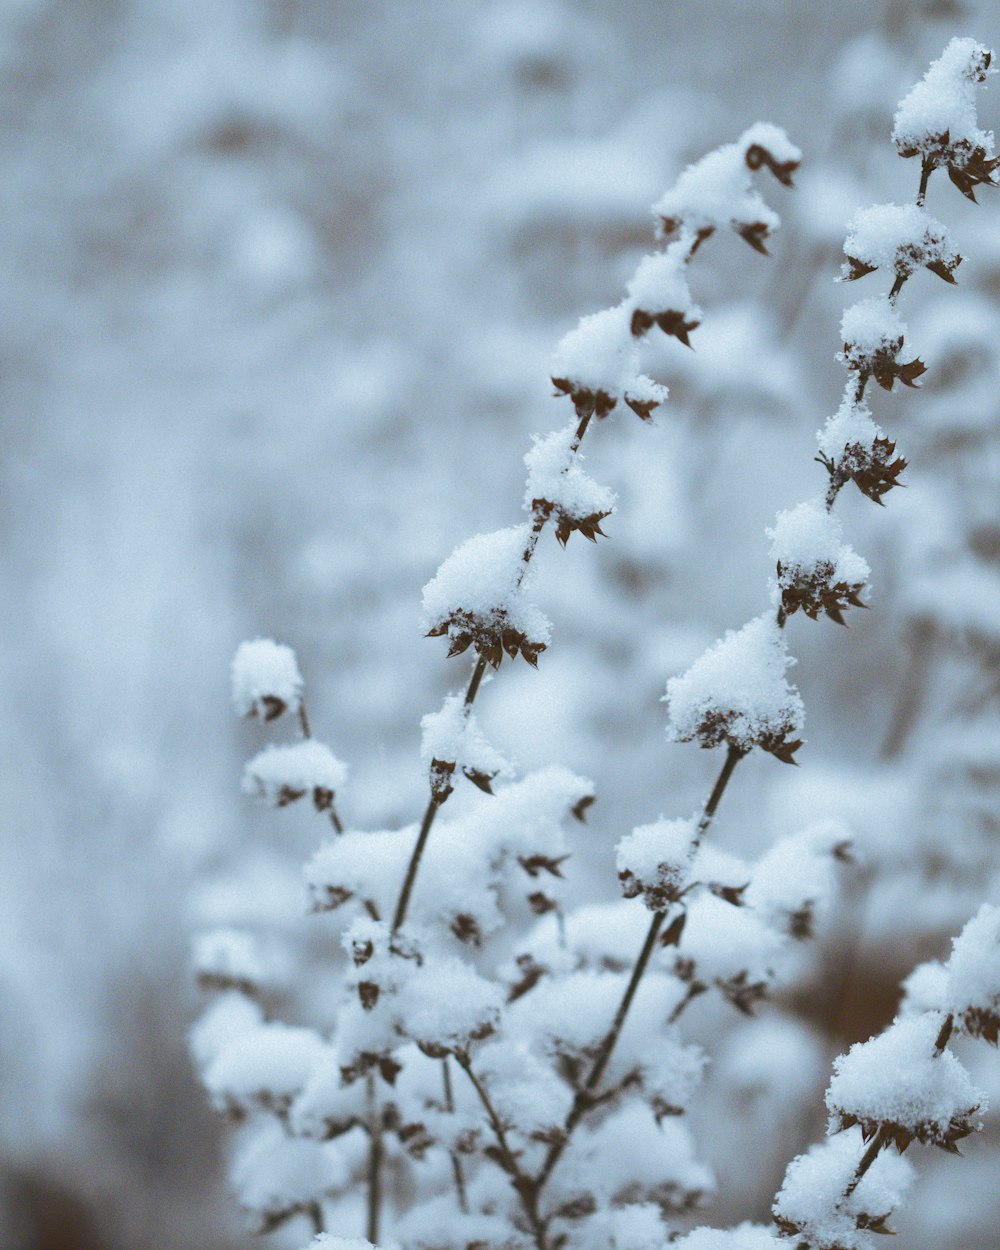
(306, 728)
(526, 1187)
(435, 802)
(583, 1098)
(456, 1162)
(866, 1160)
(374, 1164)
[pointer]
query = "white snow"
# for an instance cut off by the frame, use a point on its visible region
(660, 284)
(849, 435)
(807, 543)
(524, 1090)
(944, 103)
(925, 989)
(743, 1237)
(229, 959)
(444, 1003)
(556, 476)
(327, 1241)
(361, 865)
(231, 1016)
(795, 879)
(486, 578)
(897, 1079)
(654, 860)
(718, 192)
(870, 328)
(274, 1174)
(973, 987)
(900, 237)
(280, 774)
(601, 358)
(265, 1066)
(725, 941)
(265, 679)
(737, 692)
(811, 1200)
(453, 736)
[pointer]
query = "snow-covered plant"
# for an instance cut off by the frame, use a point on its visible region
(504, 1088)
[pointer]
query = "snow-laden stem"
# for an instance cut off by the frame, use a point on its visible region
(436, 801)
(374, 1163)
(306, 727)
(526, 1187)
(456, 1163)
(866, 1160)
(584, 1099)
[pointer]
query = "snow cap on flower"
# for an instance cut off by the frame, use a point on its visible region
(937, 120)
(559, 490)
(736, 692)
(280, 775)
(717, 191)
(853, 448)
(816, 570)
(597, 364)
(478, 598)
(898, 237)
(654, 861)
(266, 681)
(811, 1205)
(901, 1083)
(972, 992)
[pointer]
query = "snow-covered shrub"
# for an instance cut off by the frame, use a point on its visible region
(486, 1085)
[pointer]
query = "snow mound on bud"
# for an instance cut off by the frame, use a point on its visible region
(973, 988)
(280, 774)
(737, 692)
(944, 102)
(265, 679)
(898, 1080)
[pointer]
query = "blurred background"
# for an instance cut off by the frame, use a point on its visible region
(281, 283)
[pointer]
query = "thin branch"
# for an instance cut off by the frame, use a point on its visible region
(374, 1164)
(525, 1186)
(456, 1162)
(603, 1057)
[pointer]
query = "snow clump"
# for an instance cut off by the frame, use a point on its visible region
(737, 693)
(266, 681)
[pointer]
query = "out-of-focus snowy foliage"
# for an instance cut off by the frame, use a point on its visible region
(283, 286)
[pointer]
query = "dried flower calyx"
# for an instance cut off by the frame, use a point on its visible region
(658, 295)
(816, 570)
(937, 120)
(654, 861)
(736, 693)
(717, 192)
(559, 490)
(280, 775)
(900, 238)
(873, 334)
(903, 1086)
(597, 364)
(477, 599)
(853, 448)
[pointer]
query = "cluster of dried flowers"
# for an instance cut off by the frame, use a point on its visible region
(538, 1099)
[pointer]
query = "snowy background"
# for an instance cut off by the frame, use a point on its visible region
(282, 284)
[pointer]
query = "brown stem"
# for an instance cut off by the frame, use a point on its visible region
(526, 1187)
(374, 1165)
(472, 690)
(304, 720)
(456, 1162)
(584, 1099)
(866, 1160)
(315, 1213)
